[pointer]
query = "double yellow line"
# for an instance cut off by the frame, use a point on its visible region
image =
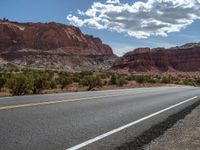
(63, 101)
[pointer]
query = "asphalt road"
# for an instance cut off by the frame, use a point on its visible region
(87, 120)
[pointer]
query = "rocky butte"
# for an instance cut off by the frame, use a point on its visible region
(52, 46)
(57, 46)
(184, 58)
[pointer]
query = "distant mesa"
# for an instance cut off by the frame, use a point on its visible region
(49, 36)
(52, 45)
(184, 58)
(56, 46)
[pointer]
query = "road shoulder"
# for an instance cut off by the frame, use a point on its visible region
(185, 134)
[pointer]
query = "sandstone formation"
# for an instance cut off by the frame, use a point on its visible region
(52, 45)
(185, 58)
(61, 47)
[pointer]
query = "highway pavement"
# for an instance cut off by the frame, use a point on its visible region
(94, 120)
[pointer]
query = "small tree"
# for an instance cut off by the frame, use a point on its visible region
(53, 84)
(166, 80)
(197, 81)
(40, 81)
(19, 84)
(121, 81)
(65, 81)
(113, 79)
(86, 73)
(91, 81)
(2, 82)
(140, 79)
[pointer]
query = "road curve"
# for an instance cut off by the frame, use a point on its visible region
(87, 120)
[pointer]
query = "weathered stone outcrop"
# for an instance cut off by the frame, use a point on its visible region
(58, 46)
(184, 58)
(52, 45)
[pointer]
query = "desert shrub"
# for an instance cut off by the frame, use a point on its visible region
(98, 81)
(53, 84)
(105, 82)
(113, 79)
(2, 82)
(86, 73)
(197, 82)
(91, 81)
(131, 77)
(20, 84)
(50, 73)
(166, 80)
(76, 77)
(41, 81)
(103, 76)
(118, 79)
(153, 80)
(121, 81)
(64, 81)
(188, 81)
(141, 79)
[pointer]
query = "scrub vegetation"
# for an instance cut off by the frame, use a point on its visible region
(35, 82)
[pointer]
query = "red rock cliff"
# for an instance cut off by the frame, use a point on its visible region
(52, 46)
(185, 59)
(49, 36)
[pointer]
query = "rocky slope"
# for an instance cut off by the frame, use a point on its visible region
(185, 58)
(52, 46)
(60, 47)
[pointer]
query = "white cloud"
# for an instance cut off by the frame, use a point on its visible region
(140, 20)
(112, 1)
(121, 48)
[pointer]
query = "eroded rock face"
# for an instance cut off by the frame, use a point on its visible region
(184, 58)
(49, 36)
(10, 36)
(58, 46)
(52, 43)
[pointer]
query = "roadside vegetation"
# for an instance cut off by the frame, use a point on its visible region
(36, 82)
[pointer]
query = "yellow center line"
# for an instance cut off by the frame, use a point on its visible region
(63, 101)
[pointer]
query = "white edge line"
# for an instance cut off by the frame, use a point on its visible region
(127, 125)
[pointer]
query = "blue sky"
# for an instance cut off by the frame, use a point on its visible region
(123, 37)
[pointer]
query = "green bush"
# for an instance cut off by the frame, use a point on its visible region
(2, 82)
(65, 81)
(113, 79)
(188, 81)
(76, 78)
(197, 82)
(153, 80)
(19, 84)
(121, 81)
(86, 73)
(91, 81)
(53, 84)
(141, 79)
(41, 81)
(131, 77)
(166, 80)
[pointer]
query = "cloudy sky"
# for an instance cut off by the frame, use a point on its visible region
(123, 24)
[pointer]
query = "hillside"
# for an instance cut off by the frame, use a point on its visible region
(184, 58)
(52, 46)
(55, 46)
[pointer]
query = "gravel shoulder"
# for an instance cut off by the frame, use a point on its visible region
(184, 135)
